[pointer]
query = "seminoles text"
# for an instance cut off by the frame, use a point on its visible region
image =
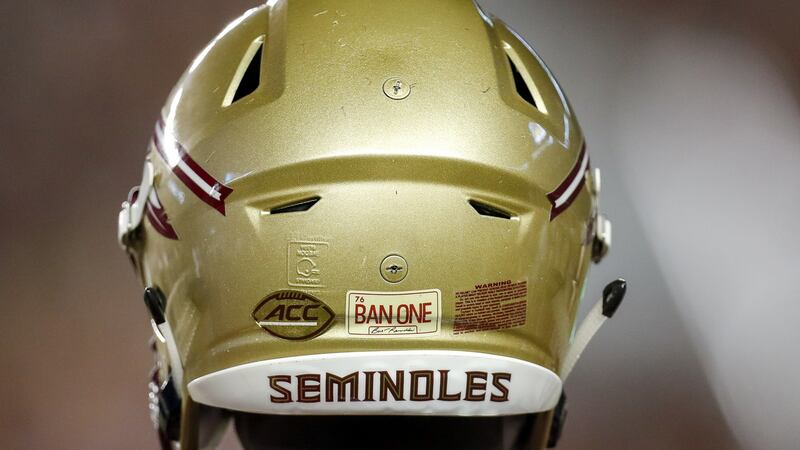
(386, 386)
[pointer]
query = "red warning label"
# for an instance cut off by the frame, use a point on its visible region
(491, 306)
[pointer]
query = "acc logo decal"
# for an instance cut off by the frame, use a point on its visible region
(293, 315)
(566, 192)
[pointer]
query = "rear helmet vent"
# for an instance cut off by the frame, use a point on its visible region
(302, 205)
(491, 211)
(248, 74)
(522, 87)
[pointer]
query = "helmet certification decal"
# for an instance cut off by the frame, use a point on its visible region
(293, 315)
(200, 182)
(306, 262)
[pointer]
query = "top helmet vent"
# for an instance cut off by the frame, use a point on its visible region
(248, 74)
(523, 78)
(522, 87)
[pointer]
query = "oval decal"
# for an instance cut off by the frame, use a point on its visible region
(293, 315)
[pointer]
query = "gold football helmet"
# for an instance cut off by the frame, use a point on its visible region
(365, 221)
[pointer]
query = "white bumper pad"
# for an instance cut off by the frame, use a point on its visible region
(444, 383)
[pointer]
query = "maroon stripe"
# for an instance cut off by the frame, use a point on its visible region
(158, 213)
(153, 218)
(570, 177)
(196, 167)
(165, 230)
(133, 195)
(199, 170)
(159, 220)
(554, 212)
(156, 216)
(559, 191)
(219, 205)
(224, 191)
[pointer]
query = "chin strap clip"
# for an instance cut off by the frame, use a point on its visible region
(602, 238)
(603, 310)
(600, 225)
(133, 209)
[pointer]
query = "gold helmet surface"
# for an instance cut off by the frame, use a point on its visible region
(360, 209)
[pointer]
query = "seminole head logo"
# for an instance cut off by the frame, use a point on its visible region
(293, 315)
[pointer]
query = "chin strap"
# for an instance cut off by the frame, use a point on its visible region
(613, 294)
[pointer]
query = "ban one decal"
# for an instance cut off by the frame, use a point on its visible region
(393, 314)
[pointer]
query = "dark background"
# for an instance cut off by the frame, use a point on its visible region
(690, 108)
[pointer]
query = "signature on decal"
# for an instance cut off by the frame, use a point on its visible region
(392, 330)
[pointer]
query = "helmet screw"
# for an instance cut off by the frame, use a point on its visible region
(396, 89)
(394, 268)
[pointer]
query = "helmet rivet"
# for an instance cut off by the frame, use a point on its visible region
(396, 89)
(394, 268)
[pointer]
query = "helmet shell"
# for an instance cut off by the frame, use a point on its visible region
(475, 179)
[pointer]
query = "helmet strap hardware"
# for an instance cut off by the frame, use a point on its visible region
(600, 225)
(156, 302)
(165, 409)
(601, 242)
(557, 425)
(603, 310)
(133, 210)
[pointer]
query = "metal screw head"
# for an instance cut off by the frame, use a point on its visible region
(394, 268)
(396, 89)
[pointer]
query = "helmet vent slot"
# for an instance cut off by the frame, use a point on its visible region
(302, 205)
(522, 86)
(491, 211)
(248, 75)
